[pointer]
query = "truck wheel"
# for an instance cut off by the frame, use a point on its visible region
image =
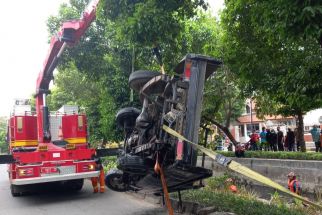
(15, 191)
(138, 78)
(127, 116)
(114, 181)
(75, 185)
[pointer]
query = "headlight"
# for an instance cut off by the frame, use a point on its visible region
(88, 167)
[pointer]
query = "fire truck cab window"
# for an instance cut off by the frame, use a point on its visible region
(19, 124)
(80, 123)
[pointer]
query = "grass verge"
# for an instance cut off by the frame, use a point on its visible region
(277, 155)
(217, 194)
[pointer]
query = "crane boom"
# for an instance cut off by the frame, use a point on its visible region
(69, 34)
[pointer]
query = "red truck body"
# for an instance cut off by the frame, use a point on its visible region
(47, 147)
(60, 160)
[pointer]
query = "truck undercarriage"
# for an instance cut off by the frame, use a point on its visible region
(174, 101)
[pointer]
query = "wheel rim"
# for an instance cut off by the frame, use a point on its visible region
(116, 182)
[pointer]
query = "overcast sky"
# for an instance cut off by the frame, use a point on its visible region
(24, 44)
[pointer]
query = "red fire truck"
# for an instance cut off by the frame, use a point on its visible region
(51, 147)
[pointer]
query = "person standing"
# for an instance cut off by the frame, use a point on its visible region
(273, 140)
(254, 139)
(297, 139)
(315, 132)
(100, 178)
(263, 138)
(280, 139)
(290, 138)
(321, 137)
(269, 144)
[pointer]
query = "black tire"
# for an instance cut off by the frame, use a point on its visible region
(114, 181)
(138, 78)
(15, 191)
(74, 185)
(133, 164)
(128, 115)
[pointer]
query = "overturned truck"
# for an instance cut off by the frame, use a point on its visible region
(174, 101)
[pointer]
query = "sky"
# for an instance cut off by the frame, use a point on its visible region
(24, 45)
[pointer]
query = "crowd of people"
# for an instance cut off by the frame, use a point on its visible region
(271, 140)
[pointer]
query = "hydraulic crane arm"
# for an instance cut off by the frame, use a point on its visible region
(69, 34)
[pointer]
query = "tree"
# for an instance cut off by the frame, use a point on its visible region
(277, 67)
(144, 24)
(122, 38)
(72, 87)
(3, 135)
(103, 58)
(299, 20)
(93, 74)
(223, 102)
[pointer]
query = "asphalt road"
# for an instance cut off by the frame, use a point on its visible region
(58, 202)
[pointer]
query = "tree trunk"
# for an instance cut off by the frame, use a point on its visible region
(104, 142)
(228, 114)
(224, 129)
(300, 129)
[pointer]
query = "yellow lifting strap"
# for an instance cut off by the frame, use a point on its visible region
(237, 167)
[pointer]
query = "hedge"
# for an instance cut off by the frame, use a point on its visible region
(277, 155)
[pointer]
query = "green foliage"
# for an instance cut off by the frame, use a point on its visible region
(93, 74)
(275, 53)
(217, 183)
(217, 194)
(259, 55)
(270, 62)
(276, 199)
(109, 163)
(122, 37)
(277, 155)
(294, 19)
(222, 98)
(147, 23)
(3, 135)
(72, 87)
(230, 202)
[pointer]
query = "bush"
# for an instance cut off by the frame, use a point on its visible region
(277, 155)
(217, 183)
(109, 163)
(217, 194)
(229, 202)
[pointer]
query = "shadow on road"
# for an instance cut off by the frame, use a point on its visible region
(55, 193)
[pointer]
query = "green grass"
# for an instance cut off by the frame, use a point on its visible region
(229, 202)
(277, 155)
(216, 194)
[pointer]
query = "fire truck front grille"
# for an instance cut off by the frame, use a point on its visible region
(63, 170)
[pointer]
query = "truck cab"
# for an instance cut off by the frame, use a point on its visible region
(67, 158)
